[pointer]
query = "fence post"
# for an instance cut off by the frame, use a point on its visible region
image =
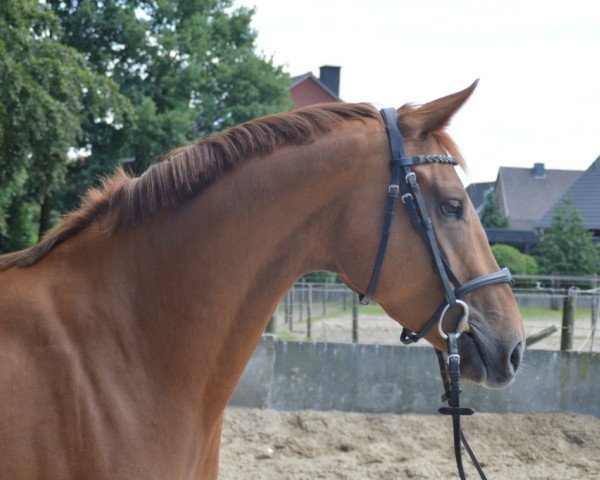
(355, 318)
(568, 320)
(595, 301)
(287, 310)
(324, 299)
(292, 300)
(554, 304)
(272, 325)
(309, 311)
(301, 301)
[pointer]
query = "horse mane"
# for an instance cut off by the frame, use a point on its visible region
(185, 171)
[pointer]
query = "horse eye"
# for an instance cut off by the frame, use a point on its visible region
(452, 208)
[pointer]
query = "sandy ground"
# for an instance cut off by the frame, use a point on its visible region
(265, 444)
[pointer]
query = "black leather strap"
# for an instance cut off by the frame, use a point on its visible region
(397, 147)
(393, 192)
(404, 180)
(501, 276)
(452, 396)
(421, 159)
(427, 225)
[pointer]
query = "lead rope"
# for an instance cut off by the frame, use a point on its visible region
(452, 396)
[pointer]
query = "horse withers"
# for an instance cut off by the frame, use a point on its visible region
(124, 332)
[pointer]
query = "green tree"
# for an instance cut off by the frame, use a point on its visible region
(189, 67)
(518, 263)
(44, 87)
(567, 248)
(111, 80)
(320, 277)
(491, 215)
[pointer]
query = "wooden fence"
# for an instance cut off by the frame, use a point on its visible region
(307, 302)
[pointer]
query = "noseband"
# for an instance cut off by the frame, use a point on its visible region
(404, 181)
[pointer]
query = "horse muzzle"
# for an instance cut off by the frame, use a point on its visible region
(490, 361)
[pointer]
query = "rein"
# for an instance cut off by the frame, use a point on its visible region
(404, 181)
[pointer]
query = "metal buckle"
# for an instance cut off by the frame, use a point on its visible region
(463, 324)
(405, 196)
(454, 356)
(393, 188)
(410, 175)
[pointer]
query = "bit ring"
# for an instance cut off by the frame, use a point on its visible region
(463, 324)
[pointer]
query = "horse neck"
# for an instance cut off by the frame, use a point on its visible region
(212, 271)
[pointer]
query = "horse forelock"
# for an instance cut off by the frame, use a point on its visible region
(186, 171)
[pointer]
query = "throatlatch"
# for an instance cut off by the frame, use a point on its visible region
(404, 183)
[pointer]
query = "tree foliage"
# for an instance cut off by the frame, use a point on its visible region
(320, 277)
(567, 248)
(44, 87)
(491, 214)
(115, 80)
(189, 67)
(518, 263)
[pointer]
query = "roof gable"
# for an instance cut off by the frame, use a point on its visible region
(526, 198)
(307, 90)
(585, 193)
(477, 193)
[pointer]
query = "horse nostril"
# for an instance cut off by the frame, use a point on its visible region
(515, 357)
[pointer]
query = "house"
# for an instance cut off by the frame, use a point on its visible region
(307, 89)
(526, 195)
(477, 193)
(585, 194)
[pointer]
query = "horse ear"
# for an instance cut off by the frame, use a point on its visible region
(435, 115)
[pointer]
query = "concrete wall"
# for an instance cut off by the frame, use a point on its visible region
(376, 378)
(551, 301)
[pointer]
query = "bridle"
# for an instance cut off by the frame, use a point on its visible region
(404, 183)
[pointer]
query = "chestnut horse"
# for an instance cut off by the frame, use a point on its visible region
(125, 330)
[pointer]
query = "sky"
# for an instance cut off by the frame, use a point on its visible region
(538, 61)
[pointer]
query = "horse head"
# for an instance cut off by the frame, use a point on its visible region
(411, 286)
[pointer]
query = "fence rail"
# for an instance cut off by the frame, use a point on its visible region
(556, 316)
(557, 281)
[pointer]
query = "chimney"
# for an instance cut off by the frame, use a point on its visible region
(330, 76)
(539, 171)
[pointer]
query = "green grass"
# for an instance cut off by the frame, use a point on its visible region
(333, 311)
(285, 335)
(371, 310)
(533, 313)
